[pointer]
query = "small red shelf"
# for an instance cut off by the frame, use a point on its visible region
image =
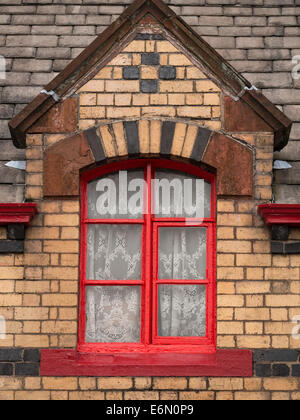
(232, 363)
(280, 214)
(11, 214)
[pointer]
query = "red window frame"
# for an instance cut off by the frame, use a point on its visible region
(150, 342)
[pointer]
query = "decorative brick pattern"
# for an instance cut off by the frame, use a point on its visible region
(138, 83)
(277, 363)
(12, 240)
(19, 362)
(65, 159)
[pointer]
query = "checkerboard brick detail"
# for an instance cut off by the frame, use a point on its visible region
(138, 84)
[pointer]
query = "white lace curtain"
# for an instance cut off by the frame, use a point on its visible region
(181, 310)
(114, 252)
(182, 256)
(113, 313)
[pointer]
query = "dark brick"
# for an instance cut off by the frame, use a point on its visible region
(281, 370)
(27, 369)
(149, 37)
(296, 371)
(32, 355)
(201, 143)
(16, 232)
(143, 37)
(167, 136)
(149, 86)
(281, 356)
(157, 37)
(11, 355)
(258, 356)
(263, 371)
(280, 232)
(6, 369)
(150, 59)
(131, 73)
(167, 73)
(277, 247)
(132, 136)
(95, 144)
(293, 248)
(11, 247)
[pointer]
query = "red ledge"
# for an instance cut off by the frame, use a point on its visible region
(280, 214)
(225, 363)
(11, 214)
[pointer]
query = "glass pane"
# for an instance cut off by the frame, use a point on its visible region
(117, 196)
(113, 314)
(181, 310)
(182, 253)
(180, 195)
(114, 252)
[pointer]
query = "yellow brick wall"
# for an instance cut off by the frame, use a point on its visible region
(258, 293)
(157, 388)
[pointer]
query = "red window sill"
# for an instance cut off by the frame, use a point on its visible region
(21, 213)
(230, 363)
(280, 214)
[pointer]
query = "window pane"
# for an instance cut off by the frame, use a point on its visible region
(114, 252)
(181, 195)
(117, 196)
(181, 311)
(113, 314)
(182, 253)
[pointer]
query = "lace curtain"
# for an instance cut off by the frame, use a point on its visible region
(114, 252)
(182, 253)
(181, 310)
(113, 196)
(120, 196)
(189, 196)
(113, 314)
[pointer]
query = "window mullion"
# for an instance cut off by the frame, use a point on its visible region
(147, 259)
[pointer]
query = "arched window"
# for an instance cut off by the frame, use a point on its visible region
(148, 258)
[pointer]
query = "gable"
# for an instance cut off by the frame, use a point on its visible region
(149, 17)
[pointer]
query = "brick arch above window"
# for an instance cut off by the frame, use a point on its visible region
(231, 158)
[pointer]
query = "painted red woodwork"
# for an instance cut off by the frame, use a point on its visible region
(280, 214)
(224, 363)
(150, 343)
(11, 214)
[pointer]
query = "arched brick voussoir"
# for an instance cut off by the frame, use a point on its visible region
(62, 164)
(148, 138)
(234, 163)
